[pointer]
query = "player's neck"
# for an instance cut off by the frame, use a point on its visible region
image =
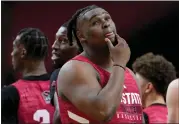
(100, 58)
(154, 99)
(34, 69)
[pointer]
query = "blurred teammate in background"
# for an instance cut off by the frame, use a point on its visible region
(62, 51)
(154, 73)
(28, 99)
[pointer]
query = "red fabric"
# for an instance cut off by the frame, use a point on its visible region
(130, 109)
(32, 103)
(156, 114)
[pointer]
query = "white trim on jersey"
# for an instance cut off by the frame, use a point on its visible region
(77, 118)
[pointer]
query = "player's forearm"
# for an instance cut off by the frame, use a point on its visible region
(110, 96)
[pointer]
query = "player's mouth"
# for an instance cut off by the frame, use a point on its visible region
(109, 35)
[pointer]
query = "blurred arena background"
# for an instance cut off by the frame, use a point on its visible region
(146, 26)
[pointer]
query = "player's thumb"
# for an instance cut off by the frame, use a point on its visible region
(110, 45)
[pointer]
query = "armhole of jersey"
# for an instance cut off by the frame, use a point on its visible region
(18, 102)
(19, 97)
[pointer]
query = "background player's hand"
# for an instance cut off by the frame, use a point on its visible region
(120, 53)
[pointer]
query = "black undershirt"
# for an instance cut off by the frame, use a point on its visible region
(10, 100)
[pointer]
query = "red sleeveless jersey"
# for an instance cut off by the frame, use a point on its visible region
(129, 111)
(156, 113)
(34, 104)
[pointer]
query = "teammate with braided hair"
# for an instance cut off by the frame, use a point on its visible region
(62, 51)
(28, 99)
(96, 86)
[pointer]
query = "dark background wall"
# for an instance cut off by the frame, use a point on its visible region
(147, 26)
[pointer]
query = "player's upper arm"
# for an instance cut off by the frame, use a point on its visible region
(9, 102)
(78, 82)
(172, 100)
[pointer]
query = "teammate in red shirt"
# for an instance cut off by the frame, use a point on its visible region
(28, 99)
(62, 51)
(154, 73)
(96, 86)
(172, 100)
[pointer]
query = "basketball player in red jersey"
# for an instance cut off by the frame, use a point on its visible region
(172, 100)
(28, 99)
(96, 86)
(61, 53)
(154, 73)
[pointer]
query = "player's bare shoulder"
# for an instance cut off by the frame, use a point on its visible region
(172, 91)
(76, 68)
(174, 84)
(75, 73)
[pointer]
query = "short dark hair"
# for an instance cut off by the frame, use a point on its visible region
(65, 24)
(156, 69)
(35, 42)
(71, 30)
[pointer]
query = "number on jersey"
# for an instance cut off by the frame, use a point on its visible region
(44, 114)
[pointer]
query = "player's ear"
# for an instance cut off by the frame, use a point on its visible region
(23, 53)
(149, 87)
(80, 36)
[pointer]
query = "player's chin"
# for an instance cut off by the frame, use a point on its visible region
(13, 65)
(15, 68)
(58, 62)
(113, 40)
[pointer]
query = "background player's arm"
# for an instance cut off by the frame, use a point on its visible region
(9, 104)
(54, 97)
(78, 82)
(132, 73)
(173, 102)
(56, 117)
